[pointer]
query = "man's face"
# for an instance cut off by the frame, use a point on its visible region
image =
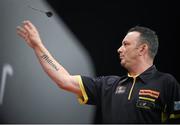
(128, 51)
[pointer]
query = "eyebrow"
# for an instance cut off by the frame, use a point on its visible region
(124, 42)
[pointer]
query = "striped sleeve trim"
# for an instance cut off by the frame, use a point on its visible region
(84, 98)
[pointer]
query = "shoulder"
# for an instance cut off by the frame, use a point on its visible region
(111, 79)
(102, 80)
(167, 78)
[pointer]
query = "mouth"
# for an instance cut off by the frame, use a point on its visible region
(121, 57)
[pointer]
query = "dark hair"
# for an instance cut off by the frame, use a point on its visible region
(147, 36)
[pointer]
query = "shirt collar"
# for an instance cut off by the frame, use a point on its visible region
(148, 74)
(133, 76)
(145, 76)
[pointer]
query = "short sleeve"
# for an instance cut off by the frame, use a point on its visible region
(93, 88)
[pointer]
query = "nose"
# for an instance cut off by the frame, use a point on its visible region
(119, 50)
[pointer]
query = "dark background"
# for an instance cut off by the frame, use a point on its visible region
(101, 26)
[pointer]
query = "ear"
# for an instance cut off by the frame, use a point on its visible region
(143, 49)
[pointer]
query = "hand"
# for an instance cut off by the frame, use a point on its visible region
(29, 33)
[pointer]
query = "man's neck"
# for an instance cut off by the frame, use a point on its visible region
(139, 68)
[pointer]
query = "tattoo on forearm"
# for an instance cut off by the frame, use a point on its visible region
(49, 61)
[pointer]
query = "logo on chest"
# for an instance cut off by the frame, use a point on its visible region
(147, 99)
(120, 89)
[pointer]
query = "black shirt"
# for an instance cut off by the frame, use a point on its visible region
(151, 97)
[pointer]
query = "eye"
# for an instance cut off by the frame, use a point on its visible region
(125, 43)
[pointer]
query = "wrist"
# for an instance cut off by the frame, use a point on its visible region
(38, 47)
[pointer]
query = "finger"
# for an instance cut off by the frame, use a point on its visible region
(21, 34)
(24, 36)
(29, 24)
(27, 29)
(20, 29)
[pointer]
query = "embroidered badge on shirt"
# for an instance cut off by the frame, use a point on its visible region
(145, 104)
(148, 92)
(176, 105)
(120, 89)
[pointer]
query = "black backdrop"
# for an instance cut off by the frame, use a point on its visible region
(101, 26)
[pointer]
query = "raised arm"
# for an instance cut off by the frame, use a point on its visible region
(54, 70)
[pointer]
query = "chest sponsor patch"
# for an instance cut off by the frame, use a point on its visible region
(145, 104)
(120, 89)
(148, 92)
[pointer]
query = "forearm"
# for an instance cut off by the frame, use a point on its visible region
(54, 70)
